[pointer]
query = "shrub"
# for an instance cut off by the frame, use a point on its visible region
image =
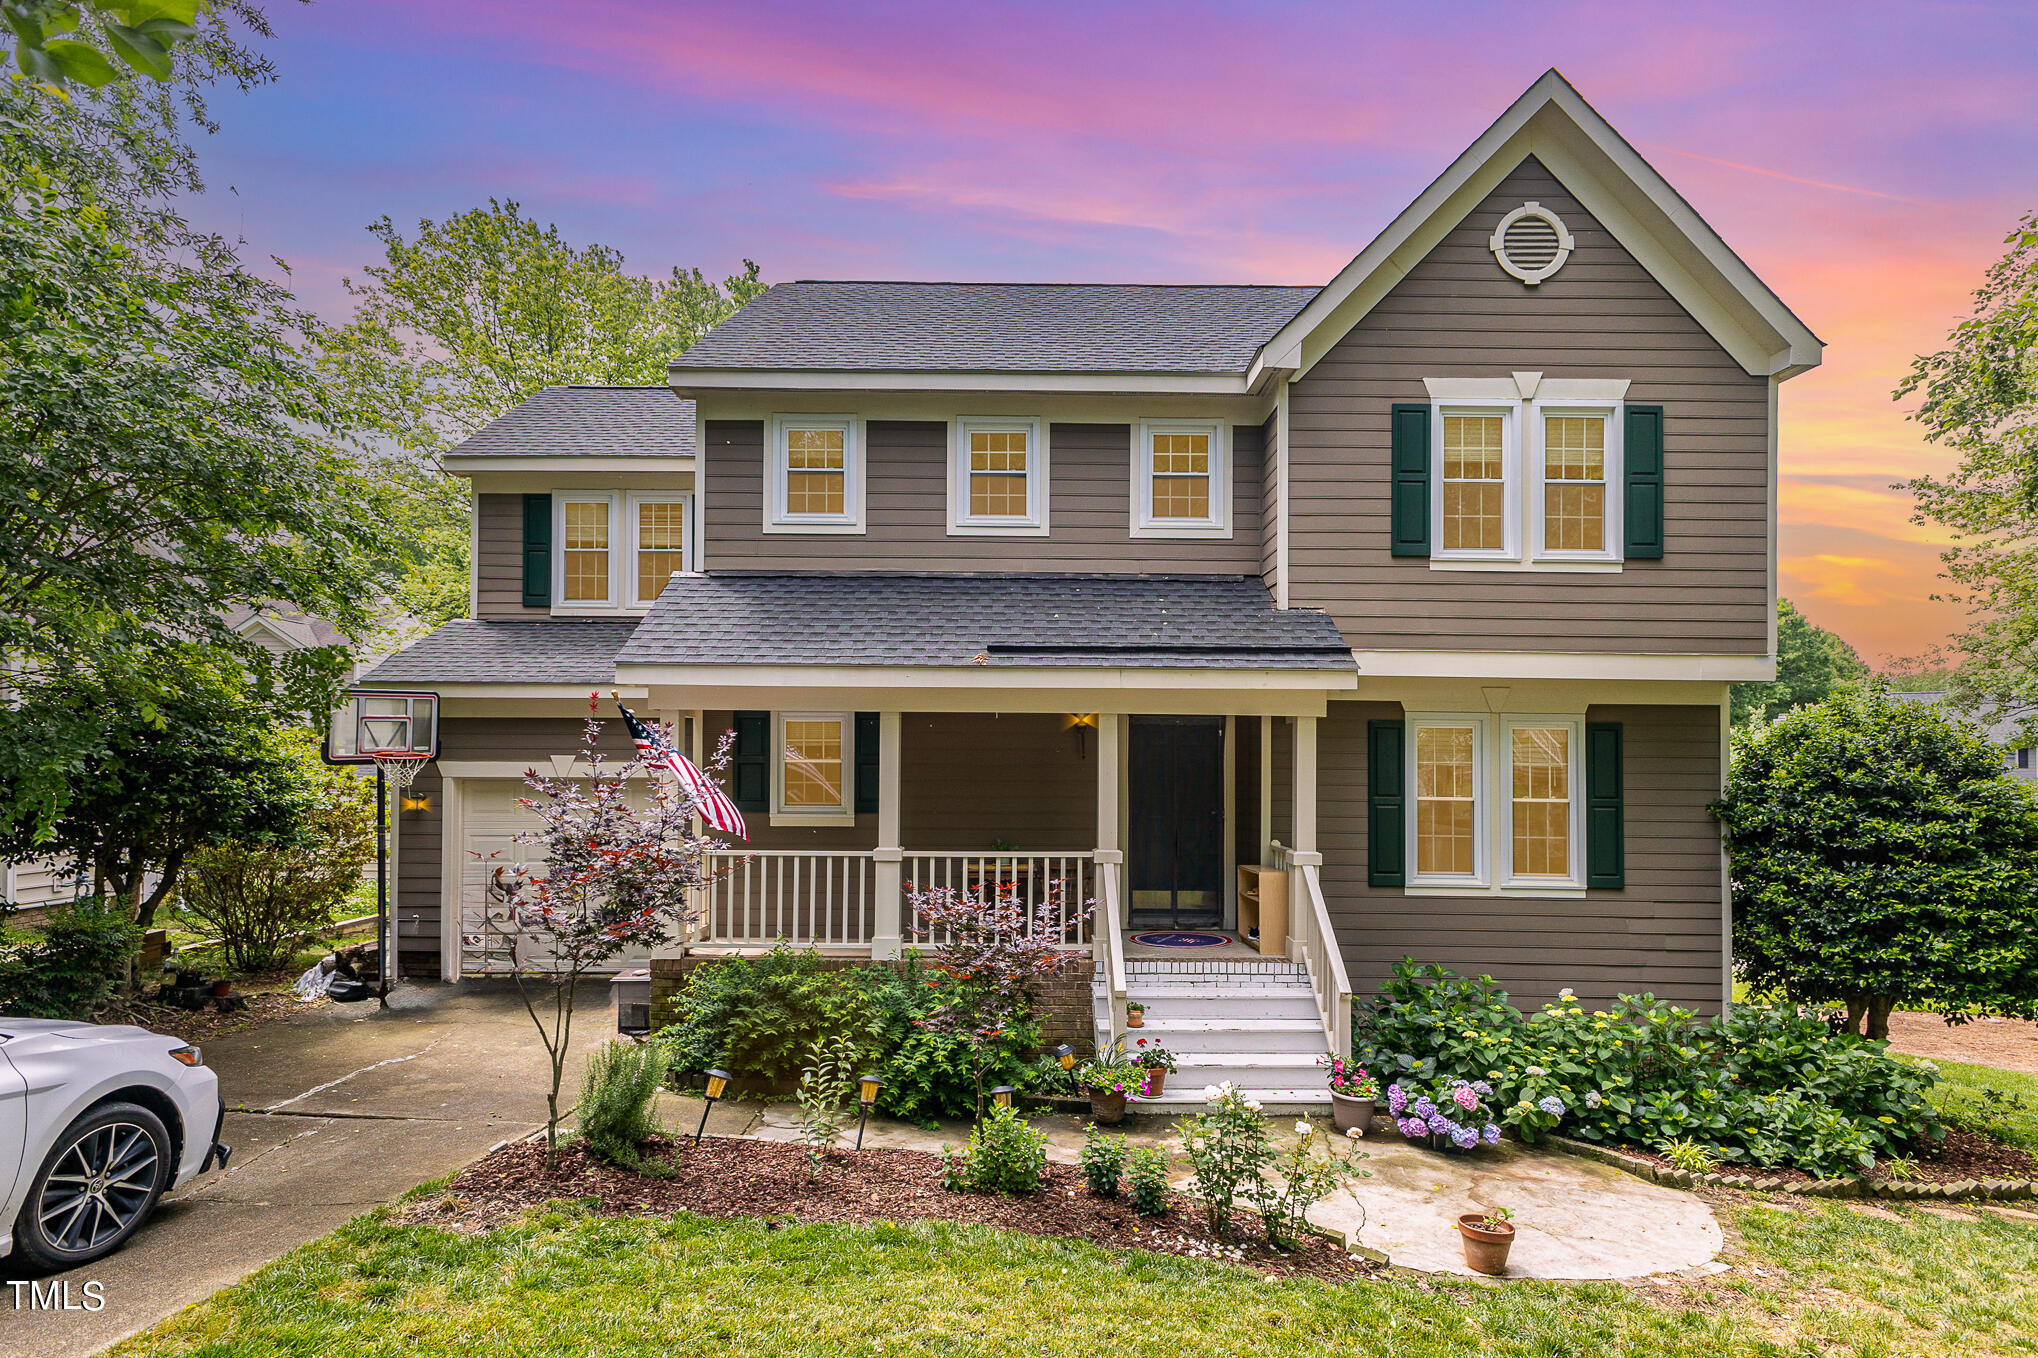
(1103, 1161)
(71, 969)
(260, 895)
(1454, 1111)
(824, 1095)
(1229, 1150)
(1005, 1155)
(1302, 1178)
(1146, 1180)
(1430, 1023)
(617, 1092)
(1689, 1156)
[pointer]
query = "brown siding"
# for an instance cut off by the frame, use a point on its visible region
(499, 560)
(1270, 498)
(1457, 314)
(1661, 933)
(906, 517)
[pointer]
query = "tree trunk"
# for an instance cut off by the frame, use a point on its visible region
(1878, 1016)
(1857, 1011)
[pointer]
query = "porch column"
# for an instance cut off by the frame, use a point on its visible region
(887, 934)
(1303, 831)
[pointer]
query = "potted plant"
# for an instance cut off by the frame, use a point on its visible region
(1135, 1014)
(1352, 1092)
(1158, 1063)
(1452, 1118)
(1487, 1236)
(1108, 1080)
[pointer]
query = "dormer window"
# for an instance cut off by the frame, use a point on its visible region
(997, 478)
(813, 475)
(1181, 479)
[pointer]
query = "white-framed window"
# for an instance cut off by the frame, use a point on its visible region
(1496, 804)
(661, 534)
(813, 768)
(997, 476)
(1475, 508)
(813, 474)
(584, 550)
(1575, 506)
(1181, 479)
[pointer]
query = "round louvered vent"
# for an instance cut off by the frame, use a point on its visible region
(1531, 243)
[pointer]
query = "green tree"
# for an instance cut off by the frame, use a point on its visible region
(1811, 663)
(1979, 397)
(469, 318)
(167, 448)
(61, 41)
(1881, 855)
(206, 766)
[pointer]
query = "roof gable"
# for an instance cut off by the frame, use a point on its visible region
(1552, 123)
(587, 421)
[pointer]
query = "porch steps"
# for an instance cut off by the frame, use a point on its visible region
(1251, 1021)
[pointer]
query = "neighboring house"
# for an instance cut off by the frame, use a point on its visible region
(2006, 734)
(1426, 586)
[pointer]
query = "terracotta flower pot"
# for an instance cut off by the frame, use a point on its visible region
(1347, 1112)
(1107, 1106)
(222, 988)
(1135, 1018)
(1156, 1081)
(1485, 1249)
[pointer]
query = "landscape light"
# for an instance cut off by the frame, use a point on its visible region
(1066, 1054)
(1002, 1096)
(866, 1094)
(718, 1080)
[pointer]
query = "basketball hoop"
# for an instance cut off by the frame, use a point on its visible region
(399, 767)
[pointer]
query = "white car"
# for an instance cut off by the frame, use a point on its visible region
(96, 1123)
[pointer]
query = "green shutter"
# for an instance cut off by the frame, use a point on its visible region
(1386, 804)
(866, 762)
(537, 551)
(750, 762)
(1605, 813)
(1643, 449)
(1410, 505)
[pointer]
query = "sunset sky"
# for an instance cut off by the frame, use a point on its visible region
(1866, 159)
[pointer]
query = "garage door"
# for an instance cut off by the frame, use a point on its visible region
(490, 821)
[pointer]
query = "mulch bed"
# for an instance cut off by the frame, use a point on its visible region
(1961, 1156)
(202, 1025)
(727, 1176)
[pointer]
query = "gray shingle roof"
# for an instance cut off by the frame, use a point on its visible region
(608, 421)
(1053, 620)
(999, 327)
(468, 651)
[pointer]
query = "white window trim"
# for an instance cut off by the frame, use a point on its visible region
(777, 518)
(1450, 882)
(1493, 809)
(1510, 470)
(1616, 479)
(688, 549)
(846, 813)
(560, 603)
(1574, 779)
(961, 523)
(1218, 524)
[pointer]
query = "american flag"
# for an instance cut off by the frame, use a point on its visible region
(714, 806)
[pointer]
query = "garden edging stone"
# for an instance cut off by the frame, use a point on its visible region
(1966, 1190)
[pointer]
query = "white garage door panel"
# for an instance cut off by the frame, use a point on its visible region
(490, 821)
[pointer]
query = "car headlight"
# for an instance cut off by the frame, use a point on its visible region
(189, 1056)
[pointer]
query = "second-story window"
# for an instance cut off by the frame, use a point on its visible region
(1579, 456)
(586, 571)
(659, 523)
(998, 477)
(1474, 514)
(1181, 486)
(813, 475)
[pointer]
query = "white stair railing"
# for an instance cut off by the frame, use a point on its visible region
(1314, 940)
(1109, 951)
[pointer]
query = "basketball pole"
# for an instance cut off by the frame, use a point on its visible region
(382, 965)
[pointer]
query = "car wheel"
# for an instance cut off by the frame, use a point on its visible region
(96, 1186)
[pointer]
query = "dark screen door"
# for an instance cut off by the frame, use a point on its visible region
(1175, 787)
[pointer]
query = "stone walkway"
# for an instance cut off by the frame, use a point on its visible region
(1574, 1219)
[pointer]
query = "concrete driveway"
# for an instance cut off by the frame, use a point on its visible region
(330, 1113)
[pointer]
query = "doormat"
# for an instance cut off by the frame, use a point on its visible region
(1178, 940)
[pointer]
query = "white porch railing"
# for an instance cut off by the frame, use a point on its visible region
(806, 897)
(1065, 879)
(1314, 944)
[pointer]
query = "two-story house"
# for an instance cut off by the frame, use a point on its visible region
(1421, 590)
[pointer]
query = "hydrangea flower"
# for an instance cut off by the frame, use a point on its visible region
(1412, 1127)
(1397, 1100)
(1565, 993)
(1482, 1089)
(1439, 1124)
(1593, 1098)
(1552, 1105)
(1464, 1138)
(1464, 1097)
(1423, 1108)
(1491, 1136)
(1535, 1070)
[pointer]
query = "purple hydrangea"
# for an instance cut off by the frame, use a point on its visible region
(1424, 1109)
(1552, 1105)
(1491, 1136)
(1397, 1100)
(1464, 1097)
(1412, 1127)
(1482, 1089)
(1440, 1124)
(1464, 1138)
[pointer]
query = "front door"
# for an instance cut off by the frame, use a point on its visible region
(1175, 791)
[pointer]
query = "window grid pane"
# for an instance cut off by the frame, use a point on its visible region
(813, 764)
(1475, 488)
(586, 551)
(1541, 762)
(1181, 476)
(1574, 475)
(816, 477)
(1445, 800)
(661, 547)
(998, 474)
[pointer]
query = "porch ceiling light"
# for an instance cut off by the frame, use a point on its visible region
(718, 1083)
(867, 1087)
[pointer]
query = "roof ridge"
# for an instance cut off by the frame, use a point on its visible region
(1035, 283)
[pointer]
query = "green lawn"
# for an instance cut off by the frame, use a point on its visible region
(1999, 1103)
(568, 1284)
